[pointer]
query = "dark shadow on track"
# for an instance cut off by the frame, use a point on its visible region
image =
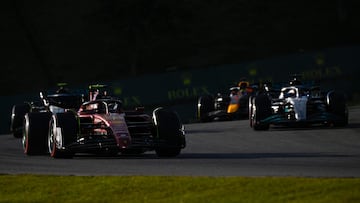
(314, 127)
(353, 125)
(215, 156)
(257, 155)
(118, 156)
(202, 131)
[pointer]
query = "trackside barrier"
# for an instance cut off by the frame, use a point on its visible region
(337, 68)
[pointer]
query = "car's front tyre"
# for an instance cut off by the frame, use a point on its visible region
(169, 133)
(62, 131)
(261, 110)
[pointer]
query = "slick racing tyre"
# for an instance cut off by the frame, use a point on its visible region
(63, 131)
(337, 105)
(169, 133)
(17, 118)
(36, 126)
(261, 110)
(244, 104)
(205, 105)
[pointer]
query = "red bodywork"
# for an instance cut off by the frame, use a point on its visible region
(102, 122)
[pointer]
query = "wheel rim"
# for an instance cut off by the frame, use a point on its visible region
(54, 138)
(253, 117)
(51, 138)
(25, 138)
(250, 111)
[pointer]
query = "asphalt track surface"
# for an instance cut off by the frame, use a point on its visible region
(216, 149)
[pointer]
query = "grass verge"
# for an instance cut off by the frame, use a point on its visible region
(45, 188)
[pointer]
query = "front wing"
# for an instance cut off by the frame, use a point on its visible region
(317, 118)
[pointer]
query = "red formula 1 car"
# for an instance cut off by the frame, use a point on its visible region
(102, 126)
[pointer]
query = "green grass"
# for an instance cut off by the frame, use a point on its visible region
(44, 188)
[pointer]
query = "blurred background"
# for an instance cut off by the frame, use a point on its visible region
(171, 51)
(45, 42)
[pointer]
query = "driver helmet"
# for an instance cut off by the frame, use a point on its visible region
(243, 84)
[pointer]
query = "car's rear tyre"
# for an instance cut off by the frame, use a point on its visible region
(243, 111)
(62, 132)
(261, 110)
(204, 106)
(17, 118)
(36, 125)
(337, 105)
(169, 133)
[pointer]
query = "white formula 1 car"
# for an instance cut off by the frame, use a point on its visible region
(297, 105)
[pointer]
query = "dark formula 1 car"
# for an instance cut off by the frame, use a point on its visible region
(225, 107)
(297, 105)
(101, 125)
(53, 102)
